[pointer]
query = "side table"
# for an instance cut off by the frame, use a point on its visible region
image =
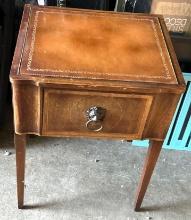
(83, 73)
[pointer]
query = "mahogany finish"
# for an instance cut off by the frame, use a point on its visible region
(120, 119)
(93, 74)
(20, 143)
(150, 162)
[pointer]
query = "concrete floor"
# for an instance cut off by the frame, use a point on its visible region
(81, 179)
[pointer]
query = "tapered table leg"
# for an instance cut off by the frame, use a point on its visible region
(20, 143)
(150, 162)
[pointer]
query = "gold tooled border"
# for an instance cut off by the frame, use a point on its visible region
(31, 51)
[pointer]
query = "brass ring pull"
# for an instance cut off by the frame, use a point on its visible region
(95, 116)
(90, 125)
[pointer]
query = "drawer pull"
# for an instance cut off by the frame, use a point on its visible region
(95, 116)
(94, 126)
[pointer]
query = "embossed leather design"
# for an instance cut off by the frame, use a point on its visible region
(84, 44)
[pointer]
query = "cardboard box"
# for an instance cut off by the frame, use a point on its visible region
(177, 14)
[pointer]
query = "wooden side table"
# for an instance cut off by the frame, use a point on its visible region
(93, 74)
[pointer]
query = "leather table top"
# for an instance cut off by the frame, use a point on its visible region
(69, 43)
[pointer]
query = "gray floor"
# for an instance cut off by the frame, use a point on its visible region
(81, 179)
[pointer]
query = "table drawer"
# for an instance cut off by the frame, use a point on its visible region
(117, 115)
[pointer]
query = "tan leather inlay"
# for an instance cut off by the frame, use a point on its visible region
(78, 44)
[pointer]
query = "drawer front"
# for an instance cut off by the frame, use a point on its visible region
(121, 115)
